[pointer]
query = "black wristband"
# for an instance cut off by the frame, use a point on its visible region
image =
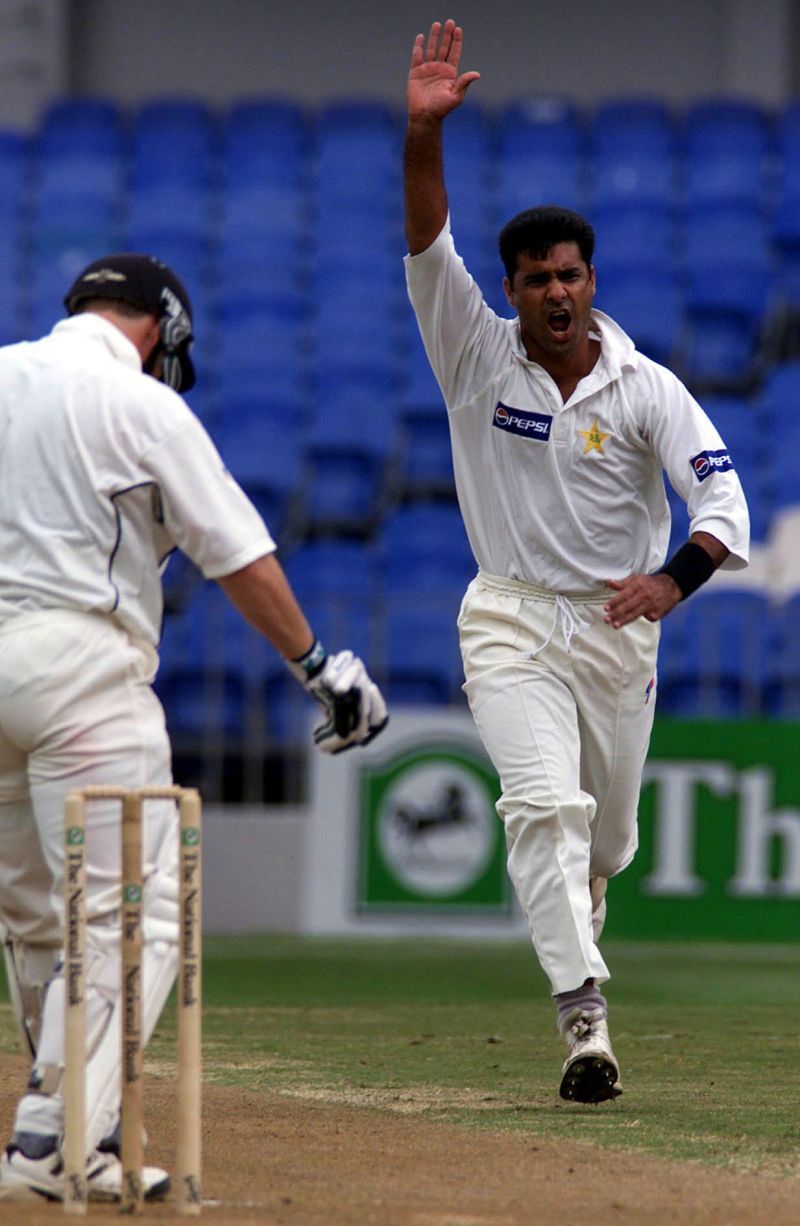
(690, 567)
(313, 660)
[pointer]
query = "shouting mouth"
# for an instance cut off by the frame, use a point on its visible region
(559, 322)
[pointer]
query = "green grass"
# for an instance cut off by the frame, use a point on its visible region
(464, 1033)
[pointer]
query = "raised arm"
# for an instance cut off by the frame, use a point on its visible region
(434, 90)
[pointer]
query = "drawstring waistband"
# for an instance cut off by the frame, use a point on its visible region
(565, 612)
(571, 624)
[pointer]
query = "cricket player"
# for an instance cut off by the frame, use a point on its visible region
(104, 471)
(560, 432)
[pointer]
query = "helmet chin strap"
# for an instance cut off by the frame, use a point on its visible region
(149, 364)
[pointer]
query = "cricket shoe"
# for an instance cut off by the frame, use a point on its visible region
(23, 1178)
(590, 1073)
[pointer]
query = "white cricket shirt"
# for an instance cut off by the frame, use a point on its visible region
(103, 472)
(566, 496)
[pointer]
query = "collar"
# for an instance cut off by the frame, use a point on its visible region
(617, 350)
(95, 328)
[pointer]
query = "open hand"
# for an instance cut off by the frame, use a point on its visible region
(648, 596)
(434, 86)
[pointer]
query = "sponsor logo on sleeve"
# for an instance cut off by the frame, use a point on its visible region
(519, 421)
(706, 463)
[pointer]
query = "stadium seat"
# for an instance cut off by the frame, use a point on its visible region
(335, 580)
(727, 144)
(266, 142)
(422, 662)
(424, 545)
(778, 398)
(648, 304)
(82, 127)
(720, 352)
(633, 154)
(716, 654)
(540, 158)
(469, 164)
(16, 165)
(535, 179)
(174, 141)
(727, 262)
(266, 464)
(356, 154)
(634, 238)
(419, 386)
(426, 462)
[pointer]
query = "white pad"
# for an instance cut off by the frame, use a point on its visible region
(43, 1111)
(29, 969)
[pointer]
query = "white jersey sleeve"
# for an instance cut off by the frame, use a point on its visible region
(206, 513)
(460, 332)
(696, 460)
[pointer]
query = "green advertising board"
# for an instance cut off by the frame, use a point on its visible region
(430, 835)
(406, 832)
(719, 836)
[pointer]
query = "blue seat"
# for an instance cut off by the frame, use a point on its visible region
(174, 140)
(720, 351)
(213, 668)
(469, 166)
(264, 217)
(634, 122)
(540, 158)
(633, 154)
(175, 207)
(634, 237)
(782, 696)
(356, 154)
(343, 491)
(420, 387)
(53, 265)
(335, 580)
(715, 655)
(728, 264)
(727, 143)
(524, 182)
(265, 463)
(422, 663)
(16, 166)
(777, 400)
(261, 345)
(332, 567)
(347, 449)
(426, 463)
(82, 126)
(423, 545)
(546, 124)
(648, 304)
(786, 219)
(266, 142)
(78, 188)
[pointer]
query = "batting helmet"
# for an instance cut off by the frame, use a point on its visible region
(144, 281)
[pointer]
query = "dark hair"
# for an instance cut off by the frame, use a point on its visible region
(536, 231)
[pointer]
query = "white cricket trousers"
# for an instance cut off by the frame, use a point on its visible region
(564, 705)
(76, 708)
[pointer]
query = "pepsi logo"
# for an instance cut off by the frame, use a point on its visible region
(501, 414)
(702, 465)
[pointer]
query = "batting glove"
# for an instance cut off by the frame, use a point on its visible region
(354, 708)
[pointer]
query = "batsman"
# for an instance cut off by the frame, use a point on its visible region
(561, 431)
(104, 472)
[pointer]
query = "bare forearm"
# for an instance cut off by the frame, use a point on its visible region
(263, 596)
(425, 192)
(713, 547)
